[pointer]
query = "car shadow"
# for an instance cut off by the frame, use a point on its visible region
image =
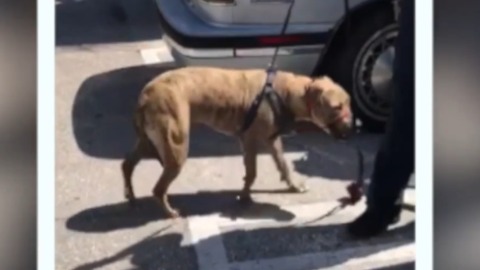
(102, 116)
(122, 216)
(92, 22)
(327, 158)
(149, 253)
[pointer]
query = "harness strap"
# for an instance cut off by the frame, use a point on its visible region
(253, 110)
(283, 117)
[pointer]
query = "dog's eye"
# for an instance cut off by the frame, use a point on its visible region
(337, 107)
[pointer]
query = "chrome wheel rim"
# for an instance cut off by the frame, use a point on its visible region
(373, 74)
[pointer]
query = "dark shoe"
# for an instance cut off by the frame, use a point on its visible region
(373, 222)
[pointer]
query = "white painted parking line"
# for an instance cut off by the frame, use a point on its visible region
(160, 54)
(206, 238)
(211, 252)
(149, 56)
(363, 258)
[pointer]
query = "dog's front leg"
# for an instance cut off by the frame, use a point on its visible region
(250, 161)
(276, 150)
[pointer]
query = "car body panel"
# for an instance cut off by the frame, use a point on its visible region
(229, 35)
(269, 11)
(184, 19)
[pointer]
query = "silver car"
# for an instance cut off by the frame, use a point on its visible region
(356, 50)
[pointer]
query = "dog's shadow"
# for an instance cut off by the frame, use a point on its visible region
(146, 209)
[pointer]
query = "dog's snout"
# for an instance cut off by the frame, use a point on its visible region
(344, 126)
(342, 129)
(346, 118)
(346, 115)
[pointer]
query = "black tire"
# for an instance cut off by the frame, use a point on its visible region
(345, 64)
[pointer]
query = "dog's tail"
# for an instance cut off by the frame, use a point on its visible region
(139, 117)
(139, 120)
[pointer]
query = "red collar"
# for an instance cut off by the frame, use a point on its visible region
(309, 105)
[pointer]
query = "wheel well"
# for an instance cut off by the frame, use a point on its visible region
(340, 32)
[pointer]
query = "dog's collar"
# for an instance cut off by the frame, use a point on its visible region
(309, 105)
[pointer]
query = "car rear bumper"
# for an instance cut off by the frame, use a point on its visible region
(297, 59)
(194, 41)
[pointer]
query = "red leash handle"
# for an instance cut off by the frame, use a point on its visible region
(355, 193)
(355, 189)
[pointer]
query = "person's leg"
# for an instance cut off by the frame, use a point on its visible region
(394, 161)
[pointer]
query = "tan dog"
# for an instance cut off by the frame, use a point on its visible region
(220, 98)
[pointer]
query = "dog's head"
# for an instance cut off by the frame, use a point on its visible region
(329, 106)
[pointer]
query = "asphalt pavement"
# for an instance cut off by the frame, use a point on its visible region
(106, 51)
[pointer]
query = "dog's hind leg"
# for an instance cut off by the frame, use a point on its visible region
(172, 146)
(142, 149)
(276, 150)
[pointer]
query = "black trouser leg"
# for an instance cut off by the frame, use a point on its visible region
(396, 157)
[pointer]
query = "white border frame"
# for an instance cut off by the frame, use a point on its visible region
(46, 134)
(423, 134)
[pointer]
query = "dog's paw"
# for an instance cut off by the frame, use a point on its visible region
(301, 188)
(245, 200)
(173, 214)
(130, 197)
(132, 203)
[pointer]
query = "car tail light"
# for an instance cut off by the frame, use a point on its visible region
(220, 1)
(279, 40)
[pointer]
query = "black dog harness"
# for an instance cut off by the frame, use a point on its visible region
(283, 116)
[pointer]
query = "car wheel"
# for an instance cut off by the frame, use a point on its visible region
(364, 66)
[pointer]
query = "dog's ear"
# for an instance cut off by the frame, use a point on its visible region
(314, 88)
